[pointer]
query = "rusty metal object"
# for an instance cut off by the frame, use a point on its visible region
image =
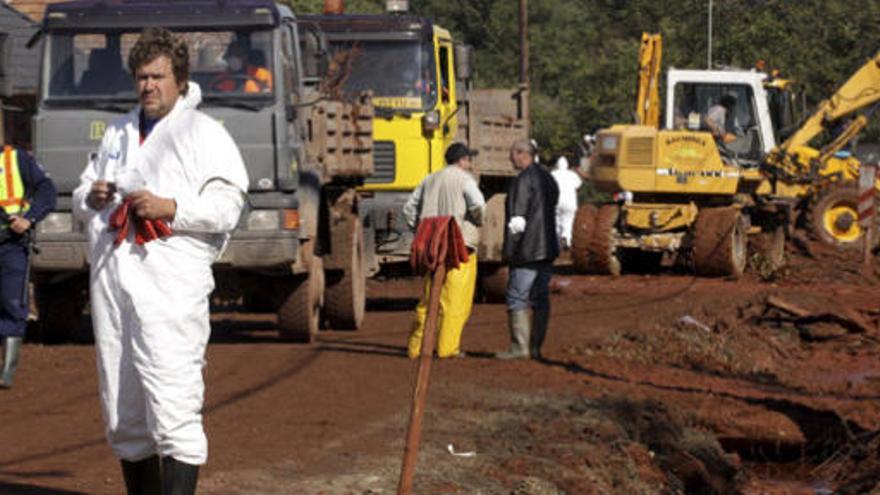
(340, 139)
(601, 244)
(491, 122)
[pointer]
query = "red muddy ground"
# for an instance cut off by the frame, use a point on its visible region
(652, 384)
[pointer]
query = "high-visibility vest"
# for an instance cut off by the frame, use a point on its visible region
(11, 186)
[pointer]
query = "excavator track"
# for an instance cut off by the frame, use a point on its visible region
(584, 225)
(720, 242)
(602, 250)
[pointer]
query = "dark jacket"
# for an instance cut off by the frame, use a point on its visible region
(532, 195)
(39, 191)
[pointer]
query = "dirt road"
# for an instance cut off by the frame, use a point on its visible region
(652, 384)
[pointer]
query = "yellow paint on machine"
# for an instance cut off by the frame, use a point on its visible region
(418, 152)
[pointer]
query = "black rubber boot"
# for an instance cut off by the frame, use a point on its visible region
(540, 320)
(178, 478)
(142, 477)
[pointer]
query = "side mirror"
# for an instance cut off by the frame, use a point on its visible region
(464, 62)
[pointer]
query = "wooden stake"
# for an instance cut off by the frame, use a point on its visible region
(420, 393)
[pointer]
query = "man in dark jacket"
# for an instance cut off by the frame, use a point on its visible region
(530, 246)
(26, 196)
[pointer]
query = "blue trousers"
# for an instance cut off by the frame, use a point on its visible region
(13, 308)
(528, 286)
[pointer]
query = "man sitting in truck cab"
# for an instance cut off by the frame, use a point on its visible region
(245, 71)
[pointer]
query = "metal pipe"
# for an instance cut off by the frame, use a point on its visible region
(709, 54)
(523, 43)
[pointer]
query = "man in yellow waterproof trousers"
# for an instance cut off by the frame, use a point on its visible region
(453, 192)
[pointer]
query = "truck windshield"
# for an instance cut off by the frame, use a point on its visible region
(401, 74)
(94, 66)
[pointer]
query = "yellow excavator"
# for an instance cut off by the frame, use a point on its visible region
(713, 175)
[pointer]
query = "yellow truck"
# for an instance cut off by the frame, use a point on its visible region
(682, 191)
(420, 80)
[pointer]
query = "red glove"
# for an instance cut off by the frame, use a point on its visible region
(144, 230)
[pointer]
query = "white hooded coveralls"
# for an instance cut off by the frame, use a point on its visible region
(569, 182)
(150, 302)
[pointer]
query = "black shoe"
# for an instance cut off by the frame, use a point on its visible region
(178, 478)
(142, 477)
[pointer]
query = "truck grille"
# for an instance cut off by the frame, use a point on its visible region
(384, 163)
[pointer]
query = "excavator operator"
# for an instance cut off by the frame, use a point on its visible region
(717, 118)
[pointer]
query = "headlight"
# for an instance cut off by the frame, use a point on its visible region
(609, 143)
(431, 120)
(56, 223)
(263, 220)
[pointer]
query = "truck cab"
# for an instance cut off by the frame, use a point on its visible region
(407, 63)
(246, 58)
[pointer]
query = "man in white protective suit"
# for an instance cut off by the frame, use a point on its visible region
(159, 199)
(569, 182)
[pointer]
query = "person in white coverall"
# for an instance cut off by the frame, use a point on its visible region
(569, 182)
(174, 165)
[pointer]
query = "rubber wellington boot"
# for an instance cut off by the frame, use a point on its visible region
(540, 319)
(178, 478)
(519, 323)
(11, 350)
(142, 477)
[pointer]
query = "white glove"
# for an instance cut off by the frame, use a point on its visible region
(516, 225)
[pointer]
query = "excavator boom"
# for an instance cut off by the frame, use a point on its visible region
(648, 100)
(860, 91)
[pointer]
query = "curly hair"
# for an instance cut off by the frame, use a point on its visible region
(155, 42)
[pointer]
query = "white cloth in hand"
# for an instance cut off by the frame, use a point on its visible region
(516, 225)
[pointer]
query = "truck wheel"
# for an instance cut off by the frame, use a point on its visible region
(493, 284)
(720, 242)
(60, 308)
(299, 317)
(584, 224)
(345, 297)
(601, 248)
(834, 216)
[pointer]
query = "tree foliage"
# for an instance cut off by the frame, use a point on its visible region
(583, 52)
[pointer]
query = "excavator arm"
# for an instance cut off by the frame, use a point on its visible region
(860, 91)
(648, 99)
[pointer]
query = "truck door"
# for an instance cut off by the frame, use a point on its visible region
(447, 100)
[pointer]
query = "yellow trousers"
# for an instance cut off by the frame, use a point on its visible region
(456, 302)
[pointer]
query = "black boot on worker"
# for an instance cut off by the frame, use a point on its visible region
(540, 320)
(142, 477)
(11, 350)
(178, 478)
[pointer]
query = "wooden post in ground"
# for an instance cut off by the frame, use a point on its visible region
(867, 211)
(420, 394)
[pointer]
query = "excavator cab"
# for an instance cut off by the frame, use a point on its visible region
(727, 103)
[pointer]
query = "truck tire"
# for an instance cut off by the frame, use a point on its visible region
(720, 243)
(834, 216)
(493, 284)
(584, 224)
(299, 317)
(601, 246)
(345, 297)
(60, 311)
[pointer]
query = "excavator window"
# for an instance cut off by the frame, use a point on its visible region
(726, 110)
